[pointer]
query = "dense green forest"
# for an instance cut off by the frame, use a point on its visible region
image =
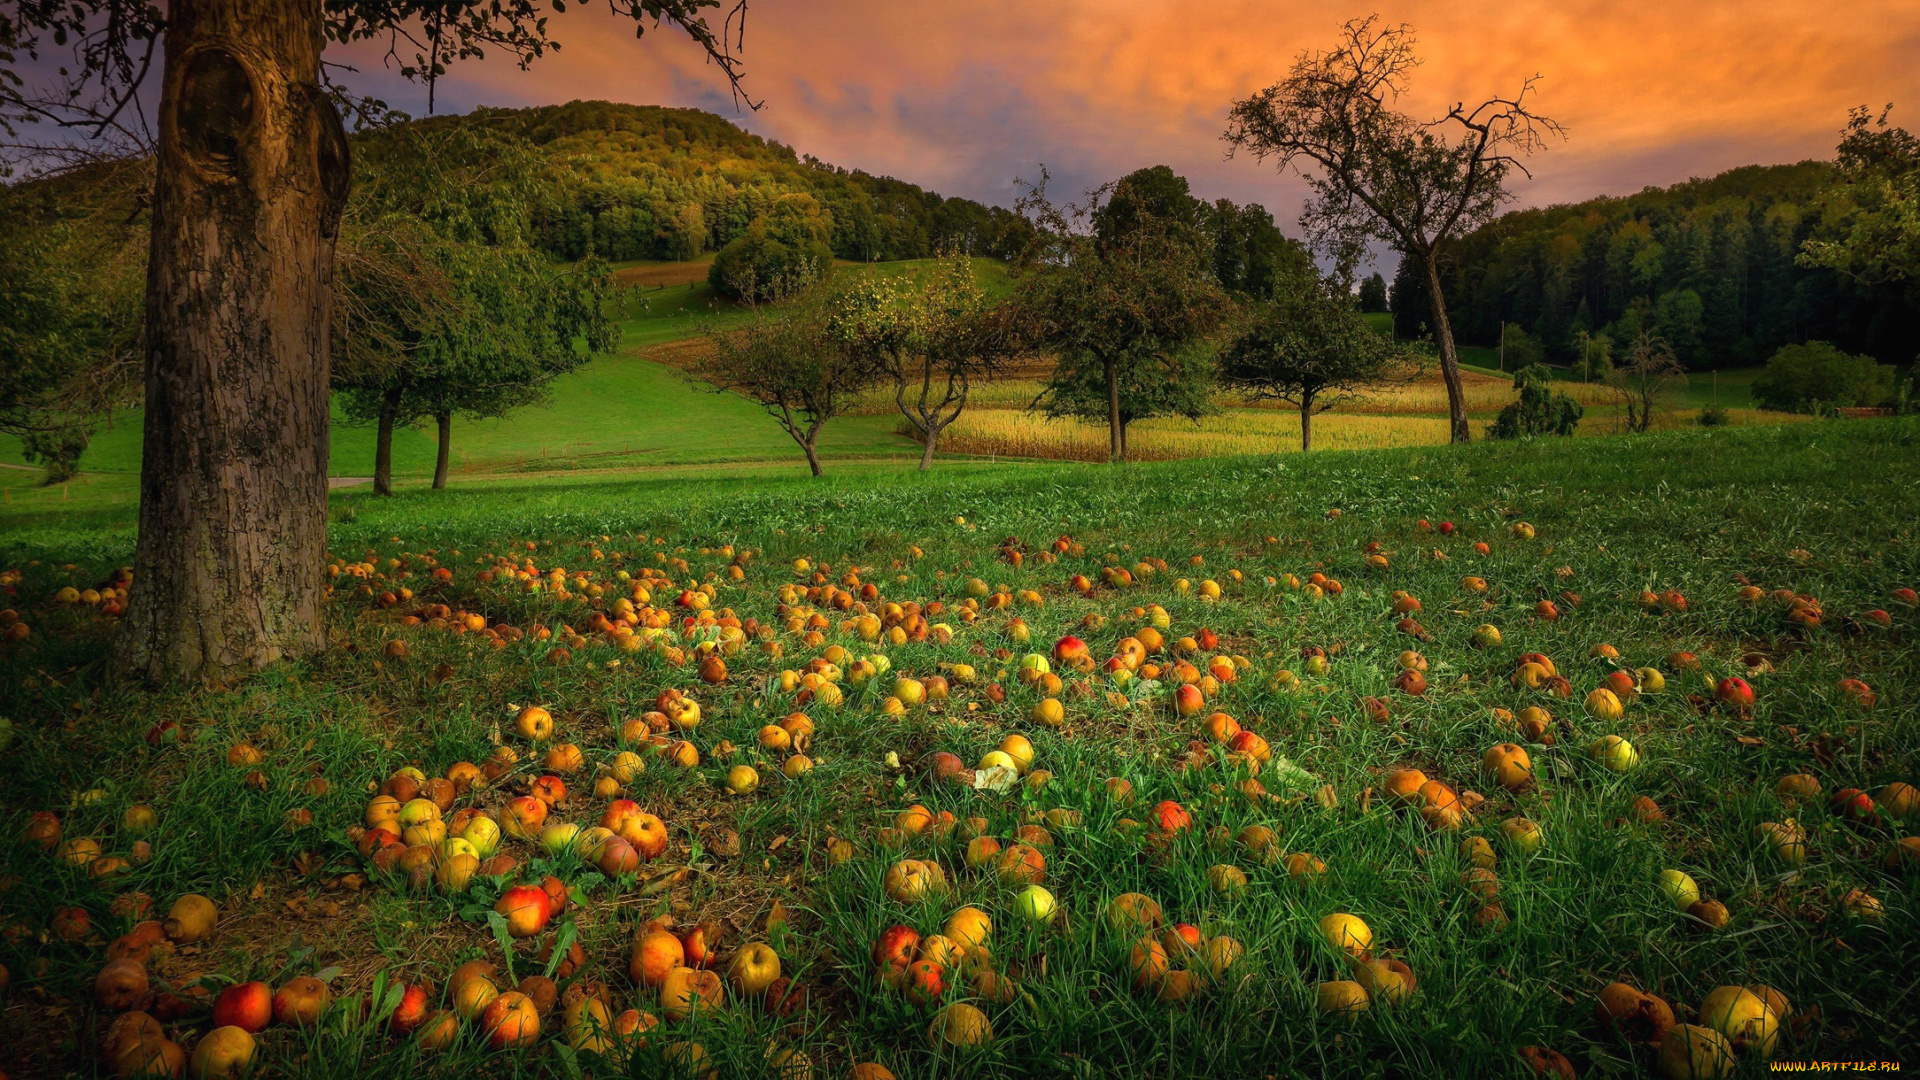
(645, 182)
(1709, 264)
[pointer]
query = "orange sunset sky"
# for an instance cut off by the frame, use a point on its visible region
(963, 97)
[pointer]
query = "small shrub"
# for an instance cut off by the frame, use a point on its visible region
(1713, 416)
(1817, 376)
(1540, 411)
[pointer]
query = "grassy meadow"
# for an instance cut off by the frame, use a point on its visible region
(261, 792)
(632, 411)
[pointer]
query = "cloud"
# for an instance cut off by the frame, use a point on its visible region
(965, 95)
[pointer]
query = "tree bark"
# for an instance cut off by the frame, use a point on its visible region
(1116, 435)
(1306, 423)
(1449, 358)
(250, 175)
(933, 440)
(383, 441)
(445, 420)
(813, 459)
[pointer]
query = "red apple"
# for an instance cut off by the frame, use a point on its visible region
(925, 982)
(1734, 691)
(1446, 528)
(1188, 700)
(247, 1006)
(526, 909)
(894, 952)
(412, 1010)
(618, 811)
(647, 834)
(1069, 651)
(1172, 817)
(1852, 804)
(702, 944)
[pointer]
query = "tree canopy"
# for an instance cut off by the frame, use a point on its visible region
(1309, 345)
(1120, 292)
(1873, 210)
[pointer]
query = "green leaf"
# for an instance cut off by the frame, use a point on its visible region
(501, 935)
(562, 940)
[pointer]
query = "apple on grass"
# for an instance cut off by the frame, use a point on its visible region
(510, 1020)
(753, 969)
(894, 950)
(247, 1006)
(526, 908)
(226, 1051)
(1035, 904)
(411, 1012)
(300, 1001)
(655, 955)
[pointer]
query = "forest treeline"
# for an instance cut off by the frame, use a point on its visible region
(1711, 265)
(646, 182)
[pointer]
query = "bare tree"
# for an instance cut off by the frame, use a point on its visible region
(1378, 174)
(791, 366)
(1642, 379)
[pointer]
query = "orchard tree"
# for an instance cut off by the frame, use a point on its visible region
(70, 294)
(786, 249)
(1379, 174)
(252, 174)
(477, 330)
(1118, 290)
(443, 308)
(1309, 346)
(932, 338)
(791, 365)
(1816, 377)
(1873, 209)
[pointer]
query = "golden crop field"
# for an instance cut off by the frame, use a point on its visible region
(1013, 432)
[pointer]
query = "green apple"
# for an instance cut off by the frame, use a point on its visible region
(1035, 903)
(1523, 834)
(1616, 753)
(1679, 889)
(555, 838)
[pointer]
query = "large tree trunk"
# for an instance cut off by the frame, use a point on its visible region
(1116, 435)
(445, 420)
(1449, 359)
(383, 441)
(251, 173)
(1306, 423)
(813, 459)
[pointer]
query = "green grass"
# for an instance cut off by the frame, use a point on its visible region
(1820, 509)
(617, 411)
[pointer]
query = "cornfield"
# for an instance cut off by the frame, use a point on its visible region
(1008, 432)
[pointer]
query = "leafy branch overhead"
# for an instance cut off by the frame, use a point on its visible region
(115, 46)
